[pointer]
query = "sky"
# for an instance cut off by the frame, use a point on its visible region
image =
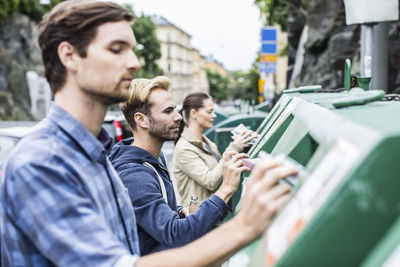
(229, 30)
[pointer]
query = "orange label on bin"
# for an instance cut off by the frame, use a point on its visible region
(295, 231)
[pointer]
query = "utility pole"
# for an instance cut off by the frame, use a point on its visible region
(373, 16)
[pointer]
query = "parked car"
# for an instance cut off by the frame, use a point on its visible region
(116, 126)
(11, 132)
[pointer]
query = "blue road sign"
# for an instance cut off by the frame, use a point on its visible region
(268, 34)
(267, 67)
(269, 48)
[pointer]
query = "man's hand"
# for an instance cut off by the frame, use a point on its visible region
(184, 212)
(261, 201)
(232, 168)
(263, 197)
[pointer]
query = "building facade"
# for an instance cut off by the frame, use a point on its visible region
(179, 61)
(200, 82)
(282, 63)
(215, 66)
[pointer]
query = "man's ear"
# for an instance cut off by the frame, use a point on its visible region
(67, 55)
(141, 120)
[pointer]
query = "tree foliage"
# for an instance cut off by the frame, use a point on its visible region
(218, 84)
(276, 11)
(32, 8)
(7, 8)
(245, 84)
(148, 47)
(147, 50)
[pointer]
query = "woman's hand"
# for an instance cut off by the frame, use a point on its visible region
(243, 139)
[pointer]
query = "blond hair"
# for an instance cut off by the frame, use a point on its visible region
(138, 101)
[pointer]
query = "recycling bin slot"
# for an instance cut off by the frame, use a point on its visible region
(304, 150)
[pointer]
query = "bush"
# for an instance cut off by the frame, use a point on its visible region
(32, 8)
(7, 8)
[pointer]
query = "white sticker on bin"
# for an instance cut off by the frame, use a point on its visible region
(393, 259)
(311, 196)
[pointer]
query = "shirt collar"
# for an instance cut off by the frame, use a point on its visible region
(94, 147)
(191, 138)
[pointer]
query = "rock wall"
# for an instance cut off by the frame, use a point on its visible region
(330, 41)
(19, 52)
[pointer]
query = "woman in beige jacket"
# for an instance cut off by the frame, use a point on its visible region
(197, 165)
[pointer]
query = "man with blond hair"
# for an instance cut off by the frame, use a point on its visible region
(162, 224)
(62, 203)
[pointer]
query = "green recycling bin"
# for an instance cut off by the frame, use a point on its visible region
(280, 114)
(264, 106)
(387, 251)
(220, 117)
(347, 196)
(221, 134)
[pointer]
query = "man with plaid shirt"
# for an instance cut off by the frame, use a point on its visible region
(62, 203)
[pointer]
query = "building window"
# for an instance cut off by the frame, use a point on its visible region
(169, 67)
(169, 37)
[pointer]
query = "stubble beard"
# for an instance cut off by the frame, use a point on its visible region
(161, 134)
(107, 97)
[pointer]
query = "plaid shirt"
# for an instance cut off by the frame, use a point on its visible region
(62, 203)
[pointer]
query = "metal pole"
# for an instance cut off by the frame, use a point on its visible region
(347, 75)
(381, 56)
(367, 43)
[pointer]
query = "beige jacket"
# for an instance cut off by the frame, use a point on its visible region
(197, 171)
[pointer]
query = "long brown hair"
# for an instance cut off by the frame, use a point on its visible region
(194, 101)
